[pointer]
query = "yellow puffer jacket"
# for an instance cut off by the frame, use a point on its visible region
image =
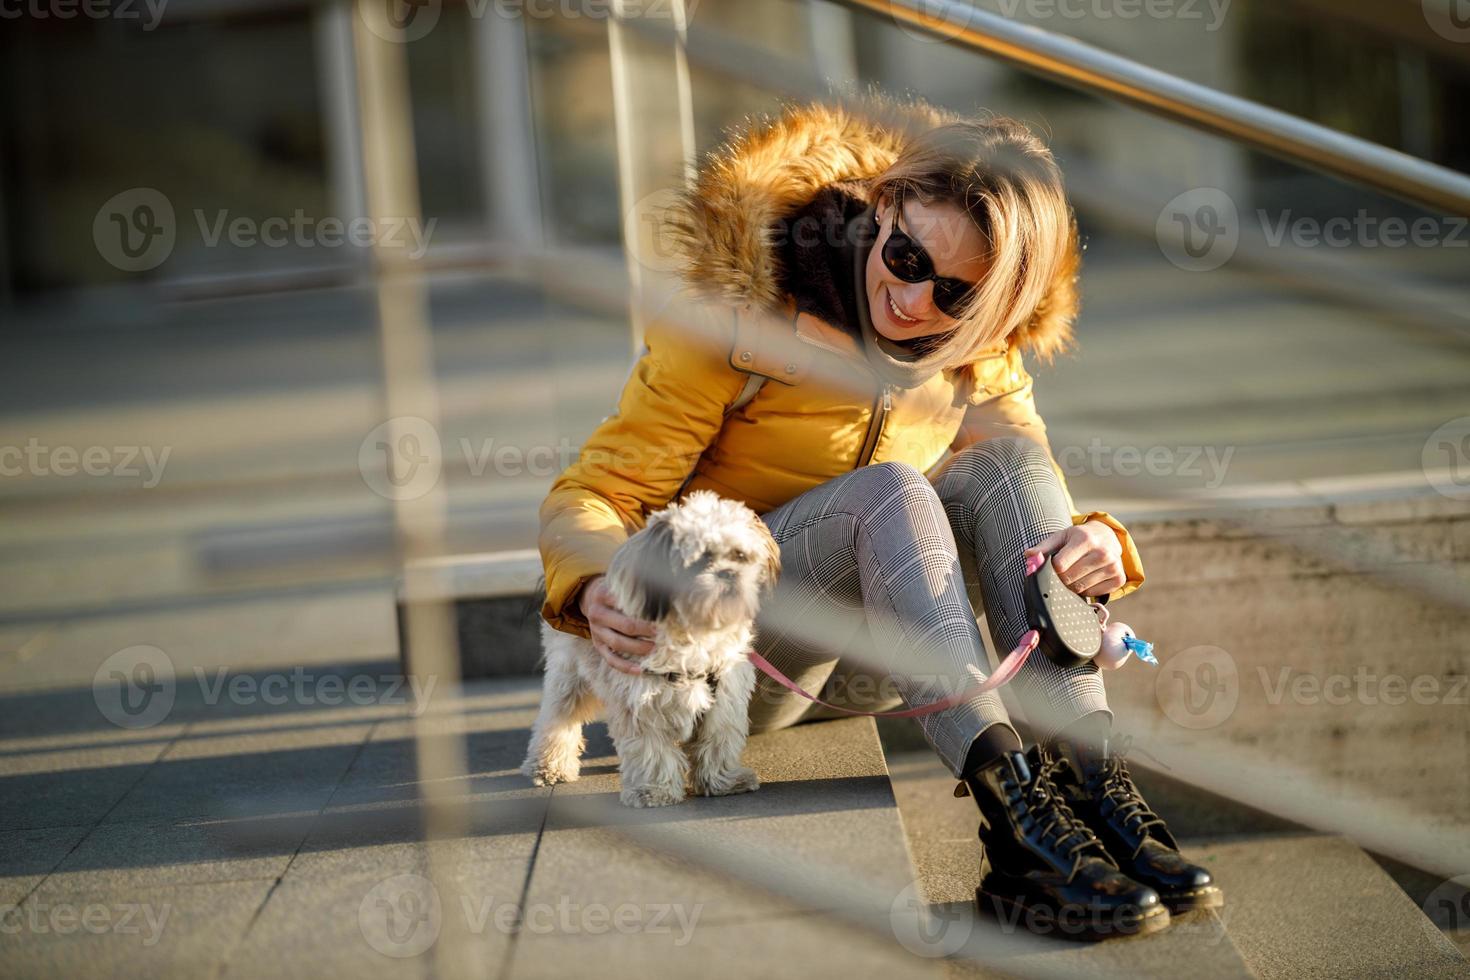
(820, 412)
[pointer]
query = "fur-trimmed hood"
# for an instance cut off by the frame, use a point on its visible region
(769, 168)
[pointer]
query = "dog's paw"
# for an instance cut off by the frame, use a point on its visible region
(726, 783)
(545, 774)
(644, 796)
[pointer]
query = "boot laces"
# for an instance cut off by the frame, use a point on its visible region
(1113, 783)
(1055, 817)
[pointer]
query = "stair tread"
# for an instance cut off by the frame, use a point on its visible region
(824, 822)
(1316, 905)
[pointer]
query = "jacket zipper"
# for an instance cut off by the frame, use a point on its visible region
(882, 405)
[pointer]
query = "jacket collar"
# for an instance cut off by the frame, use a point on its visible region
(772, 346)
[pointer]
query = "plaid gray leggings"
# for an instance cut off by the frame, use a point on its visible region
(881, 573)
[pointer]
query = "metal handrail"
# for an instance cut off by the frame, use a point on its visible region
(1090, 69)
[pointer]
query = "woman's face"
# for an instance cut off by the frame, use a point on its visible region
(905, 310)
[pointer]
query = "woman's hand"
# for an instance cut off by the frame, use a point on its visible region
(614, 636)
(1088, 558)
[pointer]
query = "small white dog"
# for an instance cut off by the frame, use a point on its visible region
(699, 570)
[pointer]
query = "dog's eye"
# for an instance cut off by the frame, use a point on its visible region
(739, 555)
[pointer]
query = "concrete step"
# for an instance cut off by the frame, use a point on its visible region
(802, 877)
(1445, 901)
(1316, 905)
(497, 608)
(1209, 816)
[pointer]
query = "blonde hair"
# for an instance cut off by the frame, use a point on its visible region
(1004, 178)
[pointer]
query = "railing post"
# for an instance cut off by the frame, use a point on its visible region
(510, 174)
(411, 407)
(651, 94)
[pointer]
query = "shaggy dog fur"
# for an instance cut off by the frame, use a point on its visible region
(698, 569)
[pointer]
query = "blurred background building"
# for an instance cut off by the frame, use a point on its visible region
(257, 363)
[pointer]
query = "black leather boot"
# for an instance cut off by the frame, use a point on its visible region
(1098, 787)
(1042, 867)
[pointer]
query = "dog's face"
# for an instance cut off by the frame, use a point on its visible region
(705, 561)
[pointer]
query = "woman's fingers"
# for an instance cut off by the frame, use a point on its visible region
(622, 633)
(616, 662)
(1076, 550)
(1100, 582)
(1080, 571)
(627, 625)
(1049, 544)
(619, 651)
(619, 642)
(602, 610)
(1092, 569)
(1084, 554)
(616, 638)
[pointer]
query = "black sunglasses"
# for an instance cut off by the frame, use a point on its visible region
(907, 259)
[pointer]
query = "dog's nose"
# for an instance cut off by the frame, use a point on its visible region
(728, 574)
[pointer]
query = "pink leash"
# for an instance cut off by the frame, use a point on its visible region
(1007, 670)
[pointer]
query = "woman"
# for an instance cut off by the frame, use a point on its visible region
(884, 270)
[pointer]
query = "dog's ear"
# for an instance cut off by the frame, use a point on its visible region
(643, 571)
(770, 554)
(657, 571)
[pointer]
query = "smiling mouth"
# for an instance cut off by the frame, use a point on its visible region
(893, 310)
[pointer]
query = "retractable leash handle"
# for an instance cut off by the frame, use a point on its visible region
(1071, 631)
(1070, 634)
